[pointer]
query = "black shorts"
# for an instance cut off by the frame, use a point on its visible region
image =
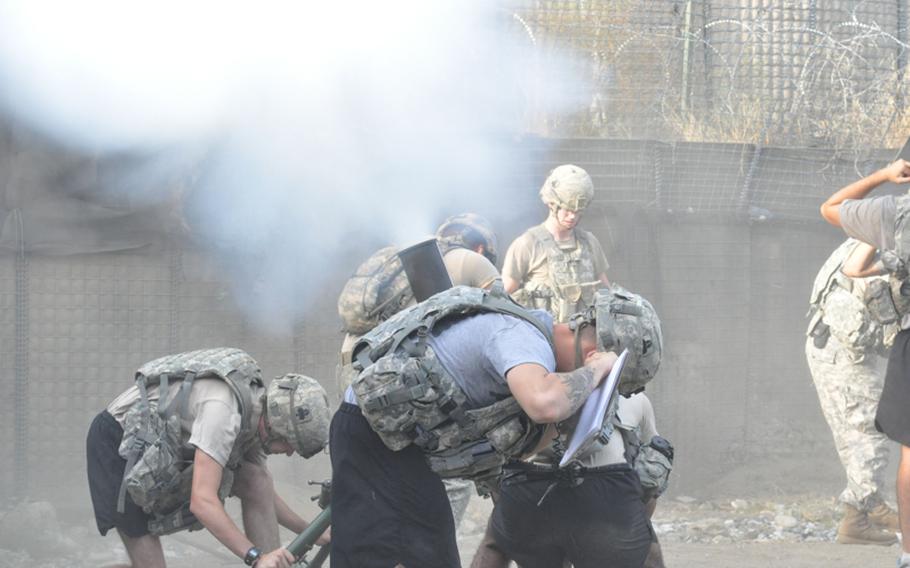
(601, 523)
(105, 473)
(892, 417)
(387, 507)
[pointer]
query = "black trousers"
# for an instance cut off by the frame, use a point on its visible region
(601, 523)
(105, 474)
(387, 507)
(892, 417)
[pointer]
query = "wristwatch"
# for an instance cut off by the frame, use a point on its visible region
(252, 556)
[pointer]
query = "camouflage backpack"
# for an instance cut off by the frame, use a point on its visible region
(378, 289)
(409, 398)
(159, 469)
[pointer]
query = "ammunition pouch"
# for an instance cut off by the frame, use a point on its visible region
(818, 330)
(653, 464)
(534, 295)
(412, 400)
(179, 520)
(880, 303)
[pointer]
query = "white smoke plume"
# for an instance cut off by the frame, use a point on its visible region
(301, 126)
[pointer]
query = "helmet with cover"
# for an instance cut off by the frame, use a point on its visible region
(469, 230)
(567, 187)
(298, 411)
(625, 320)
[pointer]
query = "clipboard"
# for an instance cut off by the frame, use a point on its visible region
(593, 412)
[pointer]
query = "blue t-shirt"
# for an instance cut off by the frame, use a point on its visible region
(479, 350)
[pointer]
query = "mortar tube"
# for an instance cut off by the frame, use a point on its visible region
(306, 539)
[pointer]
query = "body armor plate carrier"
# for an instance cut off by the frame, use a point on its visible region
(159, 469)
(571, 283)
(859, 321)
(409, 398)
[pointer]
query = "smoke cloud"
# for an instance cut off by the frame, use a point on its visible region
(296, 129)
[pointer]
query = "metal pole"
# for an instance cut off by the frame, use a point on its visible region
(20, 390)
(686, 63)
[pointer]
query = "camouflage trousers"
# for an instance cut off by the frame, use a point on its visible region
(848, 391)
(459, 492)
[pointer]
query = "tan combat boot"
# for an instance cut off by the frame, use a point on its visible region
(855, 528)
(884, 517)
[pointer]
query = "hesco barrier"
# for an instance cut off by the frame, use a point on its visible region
(730, 284)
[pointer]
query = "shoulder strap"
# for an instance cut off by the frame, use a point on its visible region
(542, 235)
(408, 329)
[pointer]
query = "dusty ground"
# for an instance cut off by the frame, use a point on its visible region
(779, 530)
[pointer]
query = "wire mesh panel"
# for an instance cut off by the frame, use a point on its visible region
(755, 71)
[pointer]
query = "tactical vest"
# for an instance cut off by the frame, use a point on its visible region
(839, 309)
(571, 282)
(896, 304)
(408, 397)
(159, 469)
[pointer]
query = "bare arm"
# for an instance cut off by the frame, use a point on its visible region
(510, 284)
(604, 279)
(553, 397)
(294, 522)
(209, 510)
(863, 262)
(897, 172)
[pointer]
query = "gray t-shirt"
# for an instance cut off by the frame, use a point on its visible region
(478, 351)
(873, 221)
(870, 220)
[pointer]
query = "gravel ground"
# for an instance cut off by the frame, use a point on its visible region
(738, 533)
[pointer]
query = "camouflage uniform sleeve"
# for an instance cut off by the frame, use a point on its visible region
(518, 259)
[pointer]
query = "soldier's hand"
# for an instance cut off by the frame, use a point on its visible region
(278, 558)
(898, 172)
(602, 363)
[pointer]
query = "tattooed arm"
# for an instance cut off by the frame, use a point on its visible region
(552, 397)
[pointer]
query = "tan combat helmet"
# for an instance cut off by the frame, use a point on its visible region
(298, 411)
(625, 320)
(567, 187)
(469, 230)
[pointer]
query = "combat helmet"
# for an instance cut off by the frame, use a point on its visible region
(469, 230)
(298, 411)
(567, 187)
(625, 320)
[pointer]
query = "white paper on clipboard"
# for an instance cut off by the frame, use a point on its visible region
(591, 419)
